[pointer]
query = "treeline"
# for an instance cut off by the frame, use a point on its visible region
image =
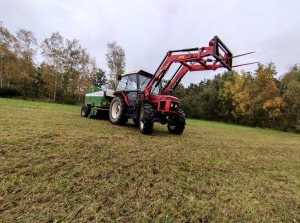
(64, 72)
(254, 99)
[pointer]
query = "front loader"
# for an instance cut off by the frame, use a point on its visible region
(140, 95)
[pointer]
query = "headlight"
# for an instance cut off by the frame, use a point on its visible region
(173, 105)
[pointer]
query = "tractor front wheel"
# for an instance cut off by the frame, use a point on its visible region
(178, 124)
(146, 119)
(117, 111)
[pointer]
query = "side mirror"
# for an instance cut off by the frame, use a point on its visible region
(119, 77)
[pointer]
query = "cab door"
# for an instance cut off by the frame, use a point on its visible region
(131, 89)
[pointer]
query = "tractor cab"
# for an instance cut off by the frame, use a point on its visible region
(134, 80)
(132, 85)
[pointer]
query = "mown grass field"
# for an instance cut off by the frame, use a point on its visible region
(56, 166)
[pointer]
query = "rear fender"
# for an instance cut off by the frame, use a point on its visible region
(123, 95)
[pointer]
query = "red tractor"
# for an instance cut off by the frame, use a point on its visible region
(141, 97)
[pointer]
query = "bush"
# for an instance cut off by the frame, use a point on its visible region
(70, 99)
(10, 92)
(297, 128)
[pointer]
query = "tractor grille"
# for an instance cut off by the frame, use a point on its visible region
(162, 105)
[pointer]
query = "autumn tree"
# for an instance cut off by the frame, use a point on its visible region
(8, 57)
(237, 93)
(75, 67)
(225, 100)
(72, 65)
(47, 74)
(274, 107)
(115, 58)
(53, 51)
(26, 48)
(265, 91)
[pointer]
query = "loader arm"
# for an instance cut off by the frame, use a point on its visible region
(215, 56)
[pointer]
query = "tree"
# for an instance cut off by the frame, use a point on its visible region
(201, 100)
(274, 107)
(98, 78)
(224, 84)
(72, 67)
(265, 89)
(75, 66)
(115, 58)
(46, 71)
(9, 65)
(191, 101)
(291, 75)
(8, 57)
(53, 51)
(26, 47)
(38, 83)
(26, 44)
(290, 86)
(179, 91)
(293, 96)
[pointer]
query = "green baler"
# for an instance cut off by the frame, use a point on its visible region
(96, 102)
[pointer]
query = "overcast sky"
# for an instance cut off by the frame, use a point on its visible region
(147, 29)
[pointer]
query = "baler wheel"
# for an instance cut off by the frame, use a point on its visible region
(85, 110)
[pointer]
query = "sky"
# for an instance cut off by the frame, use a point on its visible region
(147, 29)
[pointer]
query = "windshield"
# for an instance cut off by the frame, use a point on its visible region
(155, 90)
(143, 82)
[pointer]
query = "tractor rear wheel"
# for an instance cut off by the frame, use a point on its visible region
(178, 125)
(146, 119)
(117, 111)
(85, 110)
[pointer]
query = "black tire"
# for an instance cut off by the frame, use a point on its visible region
(178, 124)
(85, 110)
(136, 122)
(146, 119)
(117, 111)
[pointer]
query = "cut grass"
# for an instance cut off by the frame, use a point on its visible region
(56, 166)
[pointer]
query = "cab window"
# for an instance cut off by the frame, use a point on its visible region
(122, 84)
(156, 90)
(132, 83)
(143, 82)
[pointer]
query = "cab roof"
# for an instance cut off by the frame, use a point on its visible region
(142, 72)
